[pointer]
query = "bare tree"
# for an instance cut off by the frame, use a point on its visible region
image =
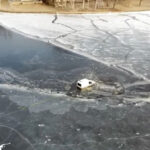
(64, 3)
(88, 4)
(114, 4)
(99, 3)
(107, 2)
(72, 3)
(140, 2)
(83, 4)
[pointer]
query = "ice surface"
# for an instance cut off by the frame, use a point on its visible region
(37, 100)
(35, 116)
(119, 39)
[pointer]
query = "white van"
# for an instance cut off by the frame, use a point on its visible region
(85, 83)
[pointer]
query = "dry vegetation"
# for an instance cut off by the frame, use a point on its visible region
(77, 6)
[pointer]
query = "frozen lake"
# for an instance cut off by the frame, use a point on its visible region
(36, 112)
(118, 39)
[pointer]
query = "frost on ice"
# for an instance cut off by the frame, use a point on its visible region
(118, 39)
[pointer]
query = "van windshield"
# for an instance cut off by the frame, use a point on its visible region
(79, 84)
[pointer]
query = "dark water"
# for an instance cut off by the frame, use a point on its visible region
(38, 61)
(31, 120)
(25, 55)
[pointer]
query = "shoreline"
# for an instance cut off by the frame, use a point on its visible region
(70, 13)
(7, 7)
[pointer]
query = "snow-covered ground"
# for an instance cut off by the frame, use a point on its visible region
(119, 39)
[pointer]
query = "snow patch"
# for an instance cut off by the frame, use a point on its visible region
(2, 146)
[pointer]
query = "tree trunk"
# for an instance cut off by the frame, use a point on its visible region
(115, 2)
(64, 3)
(88, 4)
(107, 3)
(73, 4)
(95, 4)
(140, 2)
(83, 6)
(98, 3)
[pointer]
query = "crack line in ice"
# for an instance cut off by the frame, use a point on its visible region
(63, 35)
(96, 142)
(113, 36)
(123, 44)
(19, 134)
(69, 145)
(136, 19)
(129, 137)
(47, 92)
(59, 44)
(56, 18)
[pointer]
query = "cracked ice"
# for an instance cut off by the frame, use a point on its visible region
(119, 39)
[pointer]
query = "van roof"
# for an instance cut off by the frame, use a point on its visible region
(83, 81)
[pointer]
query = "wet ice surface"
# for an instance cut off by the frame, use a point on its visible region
(37, 113)
(119, 39)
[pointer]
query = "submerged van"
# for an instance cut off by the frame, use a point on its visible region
(85, 83)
